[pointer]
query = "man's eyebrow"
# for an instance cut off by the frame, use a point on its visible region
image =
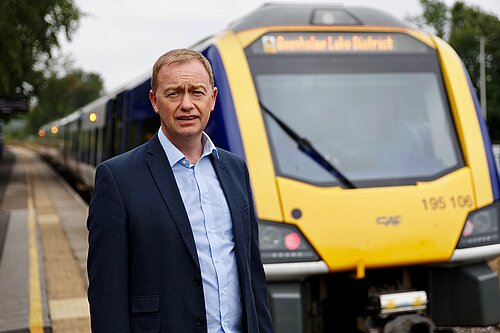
(180, 86)
(197, 86)
(172, 87)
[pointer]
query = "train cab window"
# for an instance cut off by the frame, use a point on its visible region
(381, 118)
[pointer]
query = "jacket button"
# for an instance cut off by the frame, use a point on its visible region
(196, 281)
(200, 322)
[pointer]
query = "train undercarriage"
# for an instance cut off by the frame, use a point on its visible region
(419, 299)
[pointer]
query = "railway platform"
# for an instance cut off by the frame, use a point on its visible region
(43, 247)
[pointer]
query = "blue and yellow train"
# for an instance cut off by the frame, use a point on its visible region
(372, 170)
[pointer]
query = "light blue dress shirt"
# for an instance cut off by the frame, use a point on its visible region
(212, 227)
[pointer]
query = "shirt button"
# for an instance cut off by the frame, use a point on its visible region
(200, 322)
(196, 281)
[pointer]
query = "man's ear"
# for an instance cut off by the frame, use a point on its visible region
(152, 98)
(215, 91)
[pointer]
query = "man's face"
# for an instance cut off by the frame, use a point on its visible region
(184, 100)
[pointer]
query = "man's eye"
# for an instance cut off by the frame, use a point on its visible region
(172, 94)
(198, 92)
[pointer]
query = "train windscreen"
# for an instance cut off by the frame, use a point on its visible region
(373, 106)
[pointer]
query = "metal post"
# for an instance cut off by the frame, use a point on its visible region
(482, 75)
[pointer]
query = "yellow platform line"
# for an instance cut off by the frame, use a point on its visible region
(35, 316)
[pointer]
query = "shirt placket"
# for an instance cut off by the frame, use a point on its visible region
(213, 241)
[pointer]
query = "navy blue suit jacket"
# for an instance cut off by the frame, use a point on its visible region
(143, 268)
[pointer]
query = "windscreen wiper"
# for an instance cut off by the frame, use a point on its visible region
(307, 148)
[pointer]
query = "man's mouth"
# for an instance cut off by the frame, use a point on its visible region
(187, 117)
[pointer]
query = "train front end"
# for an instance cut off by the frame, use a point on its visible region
(371, 167)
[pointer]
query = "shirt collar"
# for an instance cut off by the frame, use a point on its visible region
(174, 155)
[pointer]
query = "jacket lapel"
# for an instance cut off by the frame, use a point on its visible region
(164, 178)
(229, 184)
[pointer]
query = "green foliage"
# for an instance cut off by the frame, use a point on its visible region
(59, 96)
(436, 14)
(463, 26)
(29, 33)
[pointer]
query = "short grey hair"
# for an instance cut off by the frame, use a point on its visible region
(180, 56)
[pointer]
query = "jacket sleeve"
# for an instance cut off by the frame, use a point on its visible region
(107, 261)
(259, 284)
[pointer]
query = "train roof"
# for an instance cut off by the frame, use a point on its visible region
(69, 118)
(273, 14)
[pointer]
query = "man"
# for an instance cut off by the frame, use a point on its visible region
(173, 239)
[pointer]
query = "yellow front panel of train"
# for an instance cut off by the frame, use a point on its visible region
(379, 227)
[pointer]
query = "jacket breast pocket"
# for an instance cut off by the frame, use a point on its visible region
(145, 316)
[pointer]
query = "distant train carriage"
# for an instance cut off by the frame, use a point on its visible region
(373, 176)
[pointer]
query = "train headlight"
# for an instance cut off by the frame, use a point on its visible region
(336, 16)
(281, 242)
(481, 227)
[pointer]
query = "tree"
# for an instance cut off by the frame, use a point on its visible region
(435, 15)
(29, 33)
(463, 25)
(59, 96)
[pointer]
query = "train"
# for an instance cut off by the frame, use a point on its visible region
(374, 181)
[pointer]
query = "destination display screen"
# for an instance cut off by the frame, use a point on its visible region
(336, 42)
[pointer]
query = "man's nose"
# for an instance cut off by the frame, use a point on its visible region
(187, 102)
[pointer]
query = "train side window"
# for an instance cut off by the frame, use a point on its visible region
(86, 150)
(96, 145)
(80, 145)
(132, 138)
(89, 146)
(149, 128)
(99, 147)
(75, 145)
(117, 137)
(105, 153)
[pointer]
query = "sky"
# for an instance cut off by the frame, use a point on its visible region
(121, 40)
